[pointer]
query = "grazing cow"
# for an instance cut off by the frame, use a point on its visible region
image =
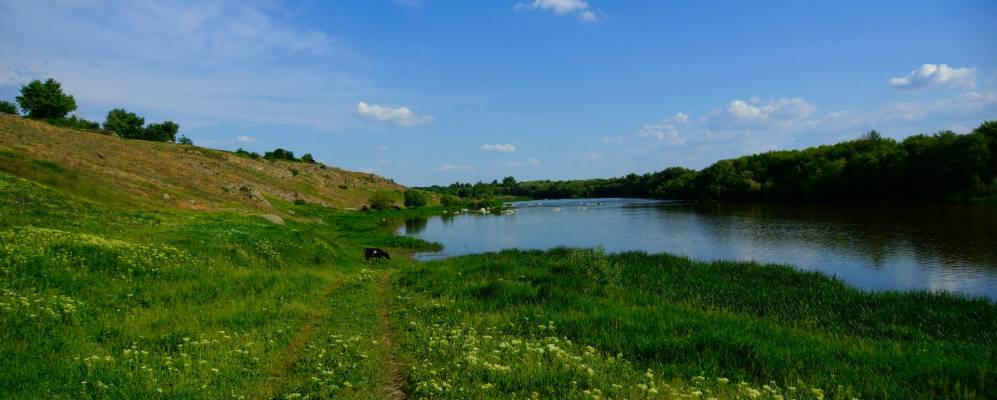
(375, 253)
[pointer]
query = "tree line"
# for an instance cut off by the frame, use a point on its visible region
(940, 166)
(47, 101)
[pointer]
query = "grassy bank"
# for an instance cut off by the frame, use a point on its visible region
(581, 324)
(100, 302)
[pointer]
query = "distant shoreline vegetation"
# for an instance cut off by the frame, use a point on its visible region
(943, 166)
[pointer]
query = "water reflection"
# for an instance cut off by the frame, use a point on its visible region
(936, 247)
(415, 225)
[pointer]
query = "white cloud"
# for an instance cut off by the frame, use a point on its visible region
(382, 147)
(401, 116)
(579, 8)
(196, 61)
(499, 148)
(936, 75)
(247, 139)
(452, 167)
(664, 131)
(778, 109)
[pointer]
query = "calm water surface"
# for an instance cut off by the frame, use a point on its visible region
(876, 247)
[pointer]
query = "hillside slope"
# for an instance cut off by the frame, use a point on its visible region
(154, 175)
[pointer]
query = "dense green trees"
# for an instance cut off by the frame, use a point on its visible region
(415, 198)
(126, 124)
(165, 131)
(944, 165)
(280, 154)
(43, 100)
(7, 107)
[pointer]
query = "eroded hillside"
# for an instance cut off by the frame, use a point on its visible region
(165, 175)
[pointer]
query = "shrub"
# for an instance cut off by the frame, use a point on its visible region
(415, 199)
(450, 201)
(299, 202)
(162, 132)
(380, 201)
(7, 107)
(125, 124)
(75, 123)
(308, 158)
(294, 172)
(280, 154)
(186, 141)
(45, 100)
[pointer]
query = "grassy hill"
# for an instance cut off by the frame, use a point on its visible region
(154, 175)
(116, 284)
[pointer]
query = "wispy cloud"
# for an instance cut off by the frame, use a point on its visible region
(247, 139)
(579, 8)
(192, 61)
(498, 148)
(401, 116)
(452, 167)
(935, 75)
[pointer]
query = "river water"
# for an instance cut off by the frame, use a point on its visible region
(875, 247)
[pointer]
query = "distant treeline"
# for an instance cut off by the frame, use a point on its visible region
(945, 165)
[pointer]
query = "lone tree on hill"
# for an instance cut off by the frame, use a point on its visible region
(45, 100)
(7, 107)
(125, 124)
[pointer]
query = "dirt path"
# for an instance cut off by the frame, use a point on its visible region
(278, 372)
(394, 388)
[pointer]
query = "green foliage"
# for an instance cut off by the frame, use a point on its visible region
(75, 123)
(44, 100)
(7, 107)
(307, 158)
(254, 155)
(165, 131)
(280, 154)
(450, 201)
(415, 198)
(648, 318)
(381, 200)
(186, 141)
(126, 124)
(942, 166)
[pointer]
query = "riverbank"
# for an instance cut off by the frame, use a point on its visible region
(568, 323)
(106, 302)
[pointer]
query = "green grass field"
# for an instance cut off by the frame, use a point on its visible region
(107, 302)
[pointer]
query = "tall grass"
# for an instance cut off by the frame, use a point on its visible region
(686, 319)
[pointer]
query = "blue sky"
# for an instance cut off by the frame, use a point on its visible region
(431, 92)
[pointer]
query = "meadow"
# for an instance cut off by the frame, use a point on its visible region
(101, 301)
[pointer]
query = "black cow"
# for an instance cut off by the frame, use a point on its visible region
(375, 253)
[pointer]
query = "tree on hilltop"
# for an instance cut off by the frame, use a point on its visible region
(125, 124)
(44, 100)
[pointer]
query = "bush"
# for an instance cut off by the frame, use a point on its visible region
(45, 100)
(381, 201)
(125, 124)
(450, 201)
(415, 199)
(162, 132)
(7, 107)
(186, 141)
(75, 123)
(308, 158)
(280, 154)
(299, 202)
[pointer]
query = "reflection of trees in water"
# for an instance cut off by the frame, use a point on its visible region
(949, 235)
(415, 225)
